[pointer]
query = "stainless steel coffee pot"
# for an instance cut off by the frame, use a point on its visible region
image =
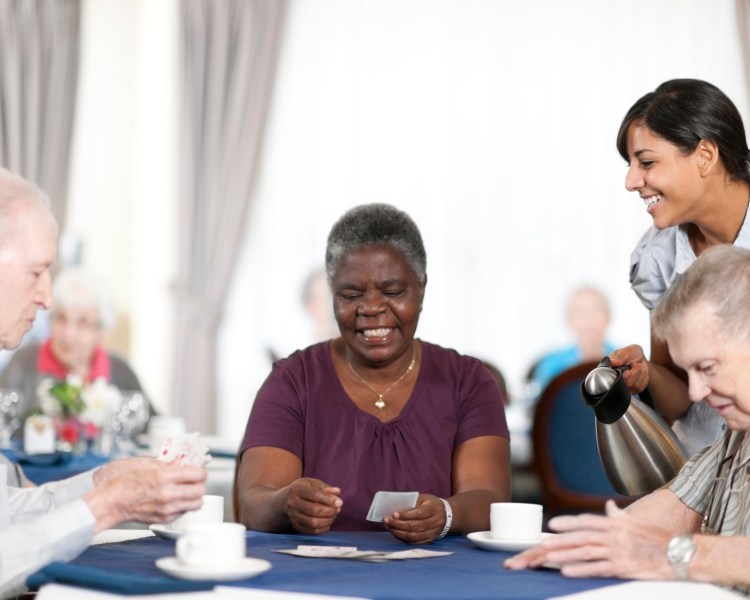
(639, 451)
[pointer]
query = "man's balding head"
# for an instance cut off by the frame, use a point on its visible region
(16, 194)
(28, 247)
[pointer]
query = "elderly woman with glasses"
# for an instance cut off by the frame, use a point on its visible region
(699, 528)
(81, 316)
(375, 409)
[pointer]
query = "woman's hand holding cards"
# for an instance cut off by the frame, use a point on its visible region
(421, 524)
(312, 505)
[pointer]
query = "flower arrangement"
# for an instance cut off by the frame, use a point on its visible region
(78, 411)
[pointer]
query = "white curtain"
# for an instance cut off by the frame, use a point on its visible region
(493, 124)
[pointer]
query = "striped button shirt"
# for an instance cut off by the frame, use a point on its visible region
(715, 482)
(718, 477)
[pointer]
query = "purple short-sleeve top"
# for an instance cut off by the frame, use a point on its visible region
(303, 408)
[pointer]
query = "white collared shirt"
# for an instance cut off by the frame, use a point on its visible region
(41, 525)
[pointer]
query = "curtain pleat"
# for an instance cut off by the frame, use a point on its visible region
(39, 52)
(229, 51)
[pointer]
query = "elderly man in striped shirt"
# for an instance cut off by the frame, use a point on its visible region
(698, 527)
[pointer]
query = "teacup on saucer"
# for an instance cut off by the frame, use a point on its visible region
(212, 512)
(211, 545)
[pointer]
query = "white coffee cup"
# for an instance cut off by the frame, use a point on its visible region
(211, 513)
(211, 545)
(516, 521)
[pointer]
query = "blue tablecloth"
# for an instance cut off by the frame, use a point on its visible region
(71, 465)
(469, 574)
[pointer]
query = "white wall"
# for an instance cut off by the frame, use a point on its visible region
(493, 124)
(122, 201)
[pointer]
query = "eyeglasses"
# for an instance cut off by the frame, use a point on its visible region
(713, 523)
(81, 324)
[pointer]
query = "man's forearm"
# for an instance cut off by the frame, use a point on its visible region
(721, 559)
(59, 535)
(664, 509)
(28, 503)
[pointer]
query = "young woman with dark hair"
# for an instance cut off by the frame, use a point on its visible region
(688, 160)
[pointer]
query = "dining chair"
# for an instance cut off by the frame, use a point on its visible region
(565, 451)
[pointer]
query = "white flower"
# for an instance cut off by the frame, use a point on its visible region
(48, 403)
(74, 380)
(101, 400)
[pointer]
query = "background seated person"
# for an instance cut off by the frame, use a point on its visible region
(588, 317)
(374, 409)
(81, 316)
(699, 528)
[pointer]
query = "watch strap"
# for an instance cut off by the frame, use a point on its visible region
(680, 550)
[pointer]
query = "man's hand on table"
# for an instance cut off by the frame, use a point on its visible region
(617, 545)
(145, 490)
(312, 505)
(421, 524)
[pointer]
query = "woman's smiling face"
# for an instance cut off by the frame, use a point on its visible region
(668, 181)
(377, 300)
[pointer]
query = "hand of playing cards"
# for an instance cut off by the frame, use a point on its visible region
(186, 450)
(351, 553)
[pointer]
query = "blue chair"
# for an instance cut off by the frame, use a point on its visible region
(566, 455)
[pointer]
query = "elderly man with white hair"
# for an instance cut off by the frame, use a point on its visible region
(57, 521)
(81, 316)
(697, 527)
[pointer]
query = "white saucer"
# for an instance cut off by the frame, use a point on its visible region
(165, 532)
(484, 540)
(249, 567)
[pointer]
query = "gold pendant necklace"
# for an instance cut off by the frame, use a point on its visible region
(379, 404)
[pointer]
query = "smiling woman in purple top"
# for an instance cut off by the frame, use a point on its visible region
(375, 409)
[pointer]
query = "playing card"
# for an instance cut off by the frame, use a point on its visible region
(185, 449)
(384, 504)
(415, 553)
(319, 551)
(351, 553)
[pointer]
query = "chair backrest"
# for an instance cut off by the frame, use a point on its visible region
(565, 450)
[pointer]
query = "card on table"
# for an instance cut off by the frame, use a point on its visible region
(384, 504)
(351, 553)
(185, 449)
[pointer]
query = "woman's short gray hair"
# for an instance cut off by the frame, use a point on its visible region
(376, 225)
(76, 287)
(721, 278)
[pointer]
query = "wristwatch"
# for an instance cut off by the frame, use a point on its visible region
(679, 552)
